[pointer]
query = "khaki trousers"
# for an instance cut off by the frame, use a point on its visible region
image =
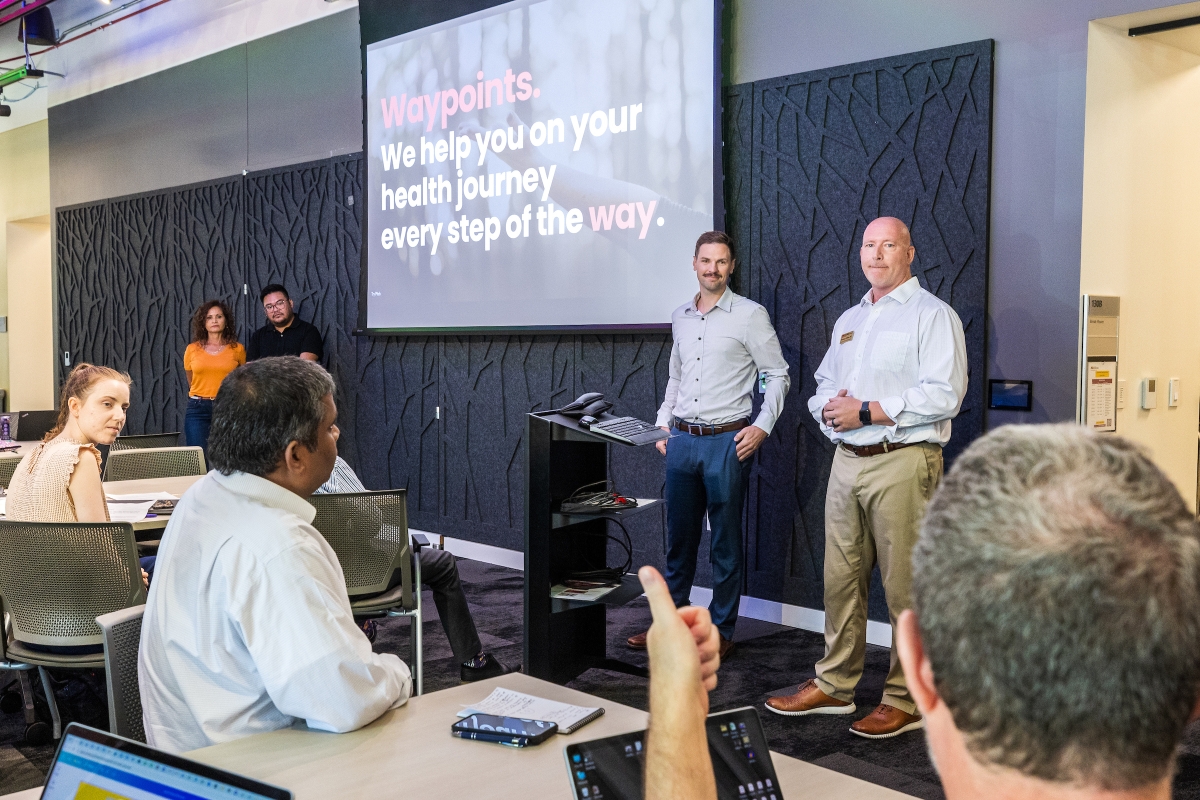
(873, 511)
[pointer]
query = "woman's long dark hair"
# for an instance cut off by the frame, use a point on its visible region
(200, 333)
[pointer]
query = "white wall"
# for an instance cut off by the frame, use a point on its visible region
(25, 194)
(1141, 203)
(30, 314)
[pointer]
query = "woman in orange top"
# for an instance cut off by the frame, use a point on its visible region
(214, 353)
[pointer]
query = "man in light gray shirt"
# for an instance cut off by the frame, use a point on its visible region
(894, 376)
(724, 345)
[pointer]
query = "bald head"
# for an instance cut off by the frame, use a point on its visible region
(889, 227)
(887, 254)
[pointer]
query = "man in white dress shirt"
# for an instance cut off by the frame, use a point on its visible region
(723, 346)
(894, 376)
(248, 626)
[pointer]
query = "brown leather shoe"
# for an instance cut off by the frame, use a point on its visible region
(808, 699)
(637, 641)
(726, 647)
(885, 722)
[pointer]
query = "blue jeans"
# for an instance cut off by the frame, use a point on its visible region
(196, 423)
(704, 474)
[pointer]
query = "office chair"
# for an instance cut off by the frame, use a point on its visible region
(8, 465)
(122, 632)
(369, 533)
(55, 579)
(158, 462)
(146, 440)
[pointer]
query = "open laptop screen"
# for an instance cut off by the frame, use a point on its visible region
(93, 765)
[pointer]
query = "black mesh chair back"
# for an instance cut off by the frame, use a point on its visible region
(8, 465)
(369, 533)
(56, 578)
(122, 631)
(146, 440)
(159, 462)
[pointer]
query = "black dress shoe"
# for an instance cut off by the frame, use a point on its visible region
(491, 669)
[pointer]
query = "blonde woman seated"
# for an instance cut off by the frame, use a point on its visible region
(59, 480)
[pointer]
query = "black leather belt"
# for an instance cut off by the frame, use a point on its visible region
(700, 429)
(876, 449)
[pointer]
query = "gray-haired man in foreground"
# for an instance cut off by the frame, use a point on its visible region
(1053, 643)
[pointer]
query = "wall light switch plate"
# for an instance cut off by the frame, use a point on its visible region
(1173, 392)
(1149, 393)
(1120, 393)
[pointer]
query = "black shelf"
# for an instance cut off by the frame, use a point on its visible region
(630, 589)
(561, 520)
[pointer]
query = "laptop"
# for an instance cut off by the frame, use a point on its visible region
(612, 768)
(94, 765)
(33, 425)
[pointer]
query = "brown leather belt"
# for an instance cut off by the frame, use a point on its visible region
(699, 429)
(875, 449)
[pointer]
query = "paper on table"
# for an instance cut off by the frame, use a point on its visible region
(141, 497)
(128, 510)
(2, 499)
(507, 703)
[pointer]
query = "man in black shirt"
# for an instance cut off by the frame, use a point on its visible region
(285, 334)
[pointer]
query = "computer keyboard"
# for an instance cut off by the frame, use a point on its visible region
(625, 427)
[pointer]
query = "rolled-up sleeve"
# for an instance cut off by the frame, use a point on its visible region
(666, 411)
(327, 673)
(941, 373)
(763, 346)
(826, 384)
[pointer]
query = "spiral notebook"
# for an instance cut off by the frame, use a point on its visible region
(507, 703)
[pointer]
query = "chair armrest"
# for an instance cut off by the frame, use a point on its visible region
(110, 620)
(418, 541)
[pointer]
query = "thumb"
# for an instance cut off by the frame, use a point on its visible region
(842, 393)
(662, 607)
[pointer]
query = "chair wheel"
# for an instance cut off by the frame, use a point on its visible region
(39, 733)
(11, 702)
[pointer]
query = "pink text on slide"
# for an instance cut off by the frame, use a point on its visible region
(448, 102)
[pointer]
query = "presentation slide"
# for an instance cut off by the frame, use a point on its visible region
(539, 164)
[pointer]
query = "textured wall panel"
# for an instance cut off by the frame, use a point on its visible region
(488, 385)
(908, 137)
(85, 311)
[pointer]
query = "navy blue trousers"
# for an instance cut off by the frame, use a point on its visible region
(704, 475)
(196, 423)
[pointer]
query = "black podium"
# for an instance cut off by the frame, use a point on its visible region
(565, 637)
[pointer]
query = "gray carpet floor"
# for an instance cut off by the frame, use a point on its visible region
(769, 659)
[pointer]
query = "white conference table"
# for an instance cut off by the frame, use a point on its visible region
(176, 486)
(409, 752)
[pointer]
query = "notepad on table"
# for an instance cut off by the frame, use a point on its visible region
(507, 703)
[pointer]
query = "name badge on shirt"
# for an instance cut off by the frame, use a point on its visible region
(846, 337)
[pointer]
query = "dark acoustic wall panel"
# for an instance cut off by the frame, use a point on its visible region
(828, 152)
(809, 159)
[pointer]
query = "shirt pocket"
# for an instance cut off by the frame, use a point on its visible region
(890, 351)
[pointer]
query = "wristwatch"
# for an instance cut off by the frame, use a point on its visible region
(864, 413)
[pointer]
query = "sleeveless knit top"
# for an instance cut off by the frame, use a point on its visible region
(38, 490)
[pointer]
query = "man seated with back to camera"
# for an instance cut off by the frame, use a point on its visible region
(248, 625)
(1052, 644)
(439, 571)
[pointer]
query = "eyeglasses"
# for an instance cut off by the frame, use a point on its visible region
(277, 305)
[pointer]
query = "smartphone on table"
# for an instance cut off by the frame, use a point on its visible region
(508, 731)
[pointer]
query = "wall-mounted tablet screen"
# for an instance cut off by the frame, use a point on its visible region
(1010, 395)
